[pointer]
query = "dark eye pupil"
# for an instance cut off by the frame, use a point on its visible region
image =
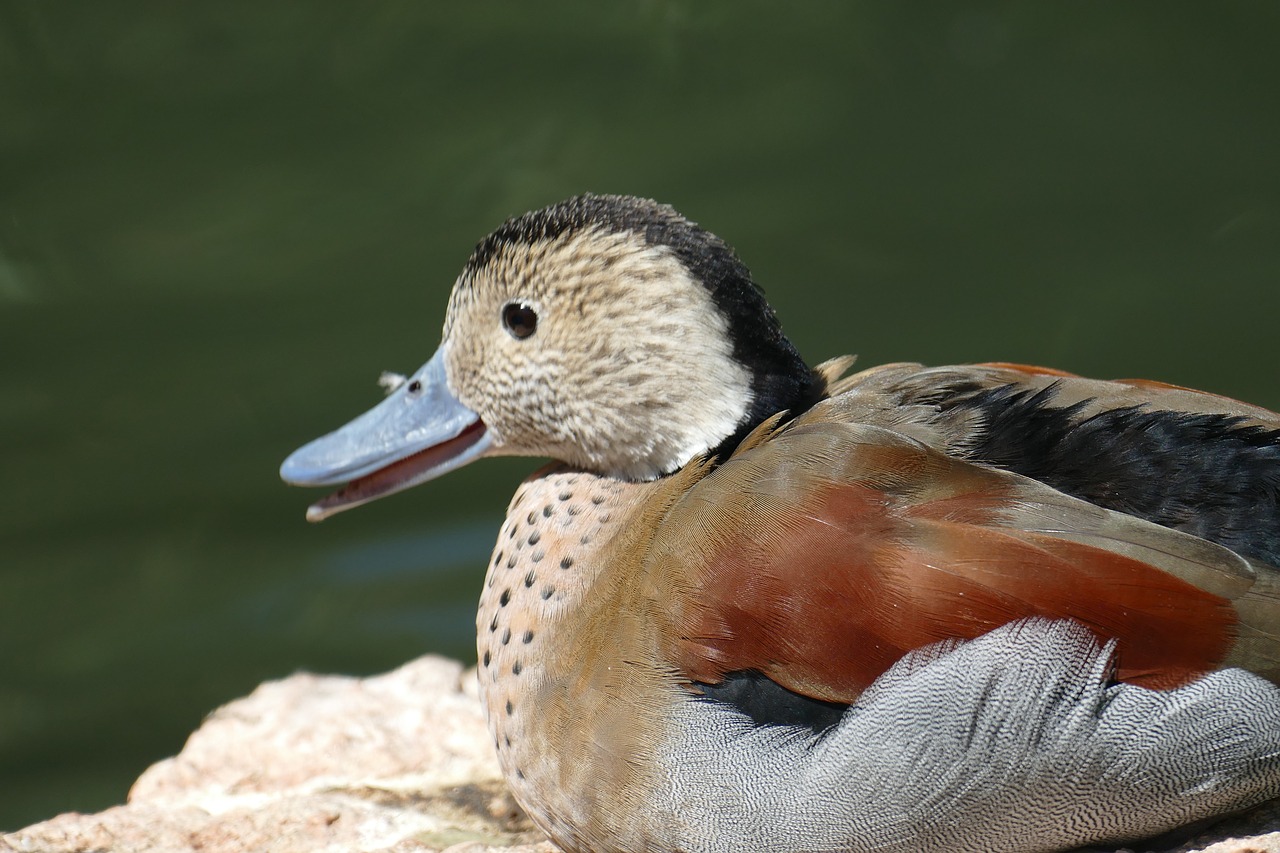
(520, 319)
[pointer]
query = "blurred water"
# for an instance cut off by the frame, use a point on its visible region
(219, 222)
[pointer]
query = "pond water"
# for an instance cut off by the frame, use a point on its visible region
(219, 222)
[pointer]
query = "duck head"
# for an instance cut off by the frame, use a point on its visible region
(608, 332)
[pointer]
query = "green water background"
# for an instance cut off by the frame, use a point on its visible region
(220, 221)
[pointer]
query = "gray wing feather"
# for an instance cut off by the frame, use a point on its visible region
(1015, 741)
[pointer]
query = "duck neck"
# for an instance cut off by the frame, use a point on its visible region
(791, 387)
(780, 380)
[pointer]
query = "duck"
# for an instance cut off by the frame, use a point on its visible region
(757, 605)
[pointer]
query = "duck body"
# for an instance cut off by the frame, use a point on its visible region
(760, 606)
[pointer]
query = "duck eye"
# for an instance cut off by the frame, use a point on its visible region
(520, 319)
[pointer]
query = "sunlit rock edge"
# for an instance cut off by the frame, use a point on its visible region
(398, 762)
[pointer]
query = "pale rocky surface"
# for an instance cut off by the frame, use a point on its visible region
(397, 763)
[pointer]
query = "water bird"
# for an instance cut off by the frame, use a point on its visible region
(754, 604)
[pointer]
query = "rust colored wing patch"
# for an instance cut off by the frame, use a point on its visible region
(821, 556)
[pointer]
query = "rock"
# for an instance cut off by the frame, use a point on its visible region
(396, 763)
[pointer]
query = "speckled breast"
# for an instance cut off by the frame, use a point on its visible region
(553, 732)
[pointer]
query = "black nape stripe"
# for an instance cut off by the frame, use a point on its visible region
(768, 703)
(1214, 476)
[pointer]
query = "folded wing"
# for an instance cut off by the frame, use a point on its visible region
(822, 553)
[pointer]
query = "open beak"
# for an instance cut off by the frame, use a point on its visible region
(417, 433)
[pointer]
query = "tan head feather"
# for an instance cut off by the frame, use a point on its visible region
(630, 369)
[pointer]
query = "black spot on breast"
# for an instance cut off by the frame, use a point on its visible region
(504, 599)
(506, 636)
(529, 579)
(517, 668)
(768, 703)
(527, 638)
(493, 623)
(510, 707)
(547, 511)
(511, 561)
(497, 558)
(487, 658)
(566, 562)
(547, 592)
(565, 496)
(597, 499)
(529, 518)
(535, 537)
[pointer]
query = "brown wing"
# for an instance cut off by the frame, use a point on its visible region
(917, 393)
(1185, 459)
(823, 554)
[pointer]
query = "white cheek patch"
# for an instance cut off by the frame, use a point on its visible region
(674, 389)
